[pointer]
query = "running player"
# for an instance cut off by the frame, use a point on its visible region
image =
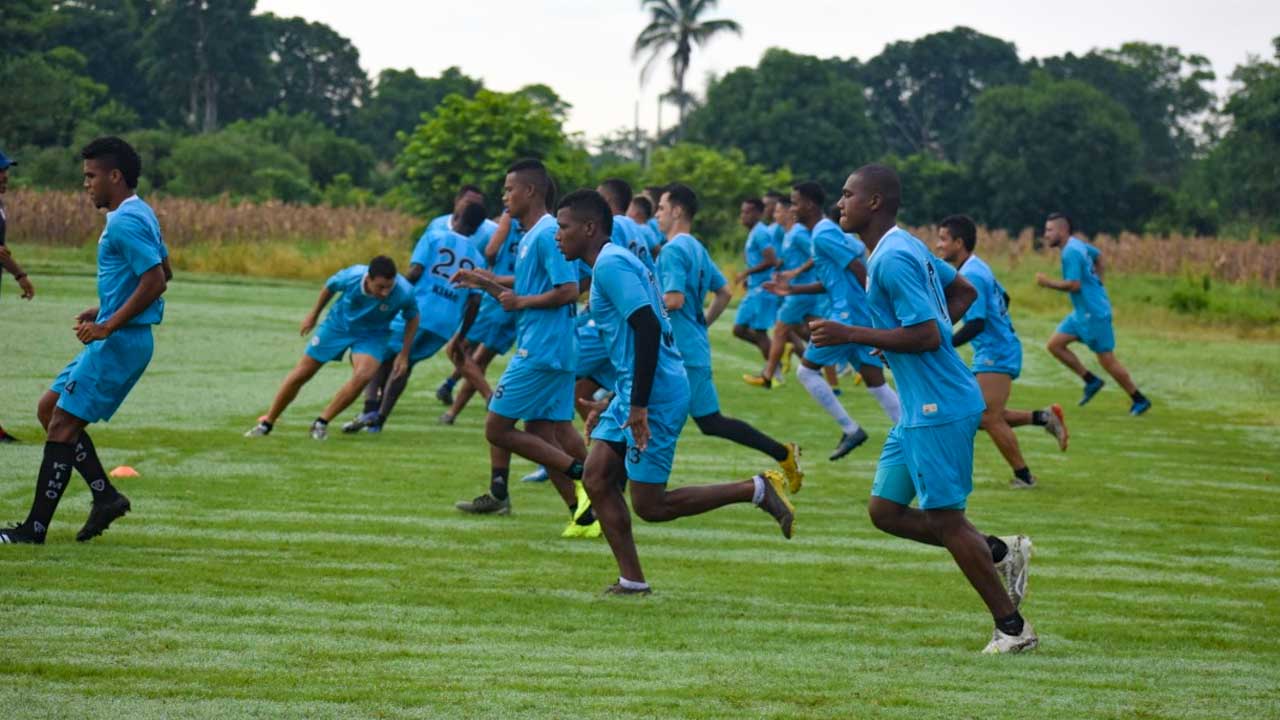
(772, 221)
(441, 307)
(839, 272)
(641, 213)
(929, 454)
(626, 232)
(1090, 318)
(7, 261)
(796, 266)
(639, 428)
(758, 308)
(133, 273)
(537, 386)
(369, 298)
(479, 237)
(997, 353)
(688, 274)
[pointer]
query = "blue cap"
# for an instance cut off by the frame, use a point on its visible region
(5, 162)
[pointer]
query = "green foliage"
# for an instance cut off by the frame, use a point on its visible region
(342, 192)
(325, 153)
(678, 26)
(237, 164)
(314, 70)
(400, 100)
(1190, 296)
(46, 95)
(721, 179)
(932, 189)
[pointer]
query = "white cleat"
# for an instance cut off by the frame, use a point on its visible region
(1002, 644)
(319, 431)
(1015, 567)
(260, 430)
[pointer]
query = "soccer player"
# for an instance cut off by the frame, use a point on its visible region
(369, 298)
(133, 273)
(641, 213)
(758, 308)
(441, 307)
(7, 261)
(1090, 318)
(687, 275)
(929, 454)
(997, 353)
(451, 221)
(840, 273)
(796, 265)
(772, 221)
(537, 386)
(637, 432)
(626, 233)
(654, 194)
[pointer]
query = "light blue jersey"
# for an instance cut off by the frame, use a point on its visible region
(779, 236)
(905, 288)
(1077, 264)
(442, 225)
(129, 246)
(627, 234)
(758, 240)
(652, 224)
(797, 249)
(356, 312)
(545, 337)
(440, 303)
(832, 253)
(686, 267)
(858, 247)
(996, 347)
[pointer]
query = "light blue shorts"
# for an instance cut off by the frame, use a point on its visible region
(758, 309)
(666, 420)
(1005, 364)
(703, 398)
(933, 463)
(329, 344)
(852, 353)
(94, 384)
(494, 327)
(425, 344)
(1094, 331)
(593, 360)
(528, 392)
(797, 309)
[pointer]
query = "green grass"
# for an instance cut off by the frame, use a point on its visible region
(288, 578)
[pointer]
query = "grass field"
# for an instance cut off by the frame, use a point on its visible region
(288, 578)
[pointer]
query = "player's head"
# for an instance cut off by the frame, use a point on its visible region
(111, 170)
(771, 199)
(1058, 228)
(751, 211)
(528, 185)
(654, 193)
(678, 204)
(5, 164)
(586, 222)
(470, 219)
(380, 279)
(872, 191)
(616, 192)
(957, 236)
(640, 209)
(467, 194)
(807, 199)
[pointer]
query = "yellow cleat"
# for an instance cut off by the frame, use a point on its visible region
(857, 378)
(757, 381)
(787, 352)
(574, 530)
(791, 468)
(776, 503)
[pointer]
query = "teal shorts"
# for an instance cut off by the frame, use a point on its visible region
(529, 392)
(758, 309)
(797, 309)
(329, 344)
(94, 384)
(933, 463)
(1094, 331)
(425, 345)
(494, 327)
(852, 353)
(592, 360)
(666, 420)
(703, 398)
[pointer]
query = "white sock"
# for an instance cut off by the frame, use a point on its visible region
(888, 400)
(632, 584)
(821, 391)
(758, 495)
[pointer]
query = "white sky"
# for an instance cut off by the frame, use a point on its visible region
(582, 48)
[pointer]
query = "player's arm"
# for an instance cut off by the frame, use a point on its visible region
(498, 238)
(768, 262)
(151, 285)
(415, 273)
(859, 271)
(793, 272)
(648, 334)
(562, 294)
(718, 304)
(674, 300)
(970, 330)
(1069, 286)
(168, 271)
(15, 269)
(960, 294)
(309, 322)
(401, 365)
(919, 338)
(782, 286)
(1098, 268)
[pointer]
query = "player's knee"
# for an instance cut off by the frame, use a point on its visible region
(741, 332)
(651, 510)
(495, 430)
(44, 409)
(991, 417)
(710, 424)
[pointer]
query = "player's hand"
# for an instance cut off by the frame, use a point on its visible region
(1042, 280)
(87, 316)
(739, 278)
(638, 421)
(87, 332)
(779, 286)
(592, 408)
(28, 290)
(510, 301)
(829, 332)
(464, 278)
(308, 324)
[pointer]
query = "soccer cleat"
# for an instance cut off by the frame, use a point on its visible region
(20, 535)
(857, 378)
(446, 419)
(259, 430)
(787, 352)
(6, 438)
(102, 515)
(362, 421)
(444, 393)
(537, 476)
(1002, 644)
(374, 429)
(617, 589)
(485, 504)
(776, 503)
(837, 391)
(1057, 425)
(574, 530)
(779, 378)
(791, 468)
(757, 381)
(848, 443)
(1091, 388)
(1140, 407)
(1017, 484)
(1015, 566)
(319, 430)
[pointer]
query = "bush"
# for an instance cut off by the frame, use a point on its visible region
(1190, 297)
(238, 165)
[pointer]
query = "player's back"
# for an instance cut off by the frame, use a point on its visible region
(833, 251)
(797, 249)
(992, 306)
(1078, 259)
(441, 303)
(686, 268)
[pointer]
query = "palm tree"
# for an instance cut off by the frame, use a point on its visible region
(678, 25)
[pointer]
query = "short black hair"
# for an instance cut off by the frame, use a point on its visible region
(655, 191)
(774, 194)
(754, 202)
(532, 171)
(1071, 226)
(684, 196)
(811, 191)
(588, 204)
(784, 201)
(882, 180)
(469, 188)
(617, 192)
(833, 211)
(962, 228)
(382, 267)
(473, 216)
(117, 155)
(645, 205)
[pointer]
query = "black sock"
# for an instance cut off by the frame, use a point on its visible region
(1039, 417)
(1011, 625)
(1138, 396)
(449, 383)
(55, 472)
(1089, 377)
(575, 470)
(268, 425)
(1023, 474)
(586, 518)
(498, 483)
(90, 468)
(998, 548)
(740, 432)
(322, 421)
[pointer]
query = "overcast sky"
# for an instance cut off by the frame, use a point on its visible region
(582, 48)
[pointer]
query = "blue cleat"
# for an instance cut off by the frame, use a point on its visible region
(373, 429)
(1140, 407)
(1091, 389)
(537, 476)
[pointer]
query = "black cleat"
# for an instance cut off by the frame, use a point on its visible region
(6, 438)
(102, 515)
(485, 504)
(444, 393)
(20, 535)
(848, 443)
